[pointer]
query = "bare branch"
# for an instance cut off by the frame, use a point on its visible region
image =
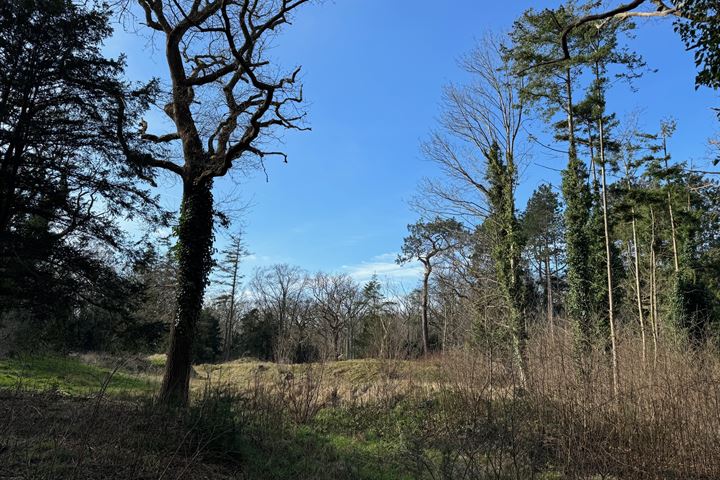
(168, 137)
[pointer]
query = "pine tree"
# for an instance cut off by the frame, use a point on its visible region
(230, 277)
(542, 226)
(550, 86)
(424, 243)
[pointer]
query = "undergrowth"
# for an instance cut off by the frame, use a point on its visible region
(464, 415)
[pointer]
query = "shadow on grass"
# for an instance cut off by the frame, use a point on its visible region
(69, 375)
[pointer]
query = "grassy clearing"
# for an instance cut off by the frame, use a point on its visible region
(461, 416)
(51, 422)
(349, 373)
(70, 376)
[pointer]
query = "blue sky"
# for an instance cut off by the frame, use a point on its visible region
(373, 72)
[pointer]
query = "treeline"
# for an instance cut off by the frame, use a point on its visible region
(286, 314)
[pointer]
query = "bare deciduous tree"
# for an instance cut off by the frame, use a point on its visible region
(279, 291)
(338, 304)
(477, 151)
(476, 115)
(226, 97)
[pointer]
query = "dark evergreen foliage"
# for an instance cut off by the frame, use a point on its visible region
(68, 171)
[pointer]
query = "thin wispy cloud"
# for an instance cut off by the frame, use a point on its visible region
(384, 267)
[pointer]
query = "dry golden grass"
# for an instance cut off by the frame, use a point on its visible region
(664, 423)
(460, 415)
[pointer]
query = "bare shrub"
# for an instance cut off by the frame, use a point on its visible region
(664, 422)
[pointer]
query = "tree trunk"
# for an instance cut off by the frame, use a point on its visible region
(444, 334)
(231, 311)
(348, 342)
(194, 246)
(608, 261)
(425, 301)
(383, 342)
(637, 287)
(336, 344)
(676, 261)
(517, 320)
(570, 115)
(550, 306)
(653, 287)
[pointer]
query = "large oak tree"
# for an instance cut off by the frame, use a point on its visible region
(226, 99)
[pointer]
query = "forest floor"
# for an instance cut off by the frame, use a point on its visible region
(93, 416)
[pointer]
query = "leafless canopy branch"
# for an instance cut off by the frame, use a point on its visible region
(216, 56)
(485, 112)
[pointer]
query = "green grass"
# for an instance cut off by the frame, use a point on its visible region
(306, 452)
(68, 376)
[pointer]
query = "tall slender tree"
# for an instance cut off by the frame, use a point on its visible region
(550, 86)
(230, 277)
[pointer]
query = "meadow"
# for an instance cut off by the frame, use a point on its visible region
(460, 415)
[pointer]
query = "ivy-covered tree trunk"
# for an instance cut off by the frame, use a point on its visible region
(577, 210)
(217, 50)
(193, 250)
(577, 214)
(506, 251)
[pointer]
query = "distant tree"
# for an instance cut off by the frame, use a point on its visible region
(229, 276)
(153, 304)
(208, 338)
(427, 240)
(338, 304)
(257, 335)
(280, 292)
(376, 319)
(158, 274)
(542, 226)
